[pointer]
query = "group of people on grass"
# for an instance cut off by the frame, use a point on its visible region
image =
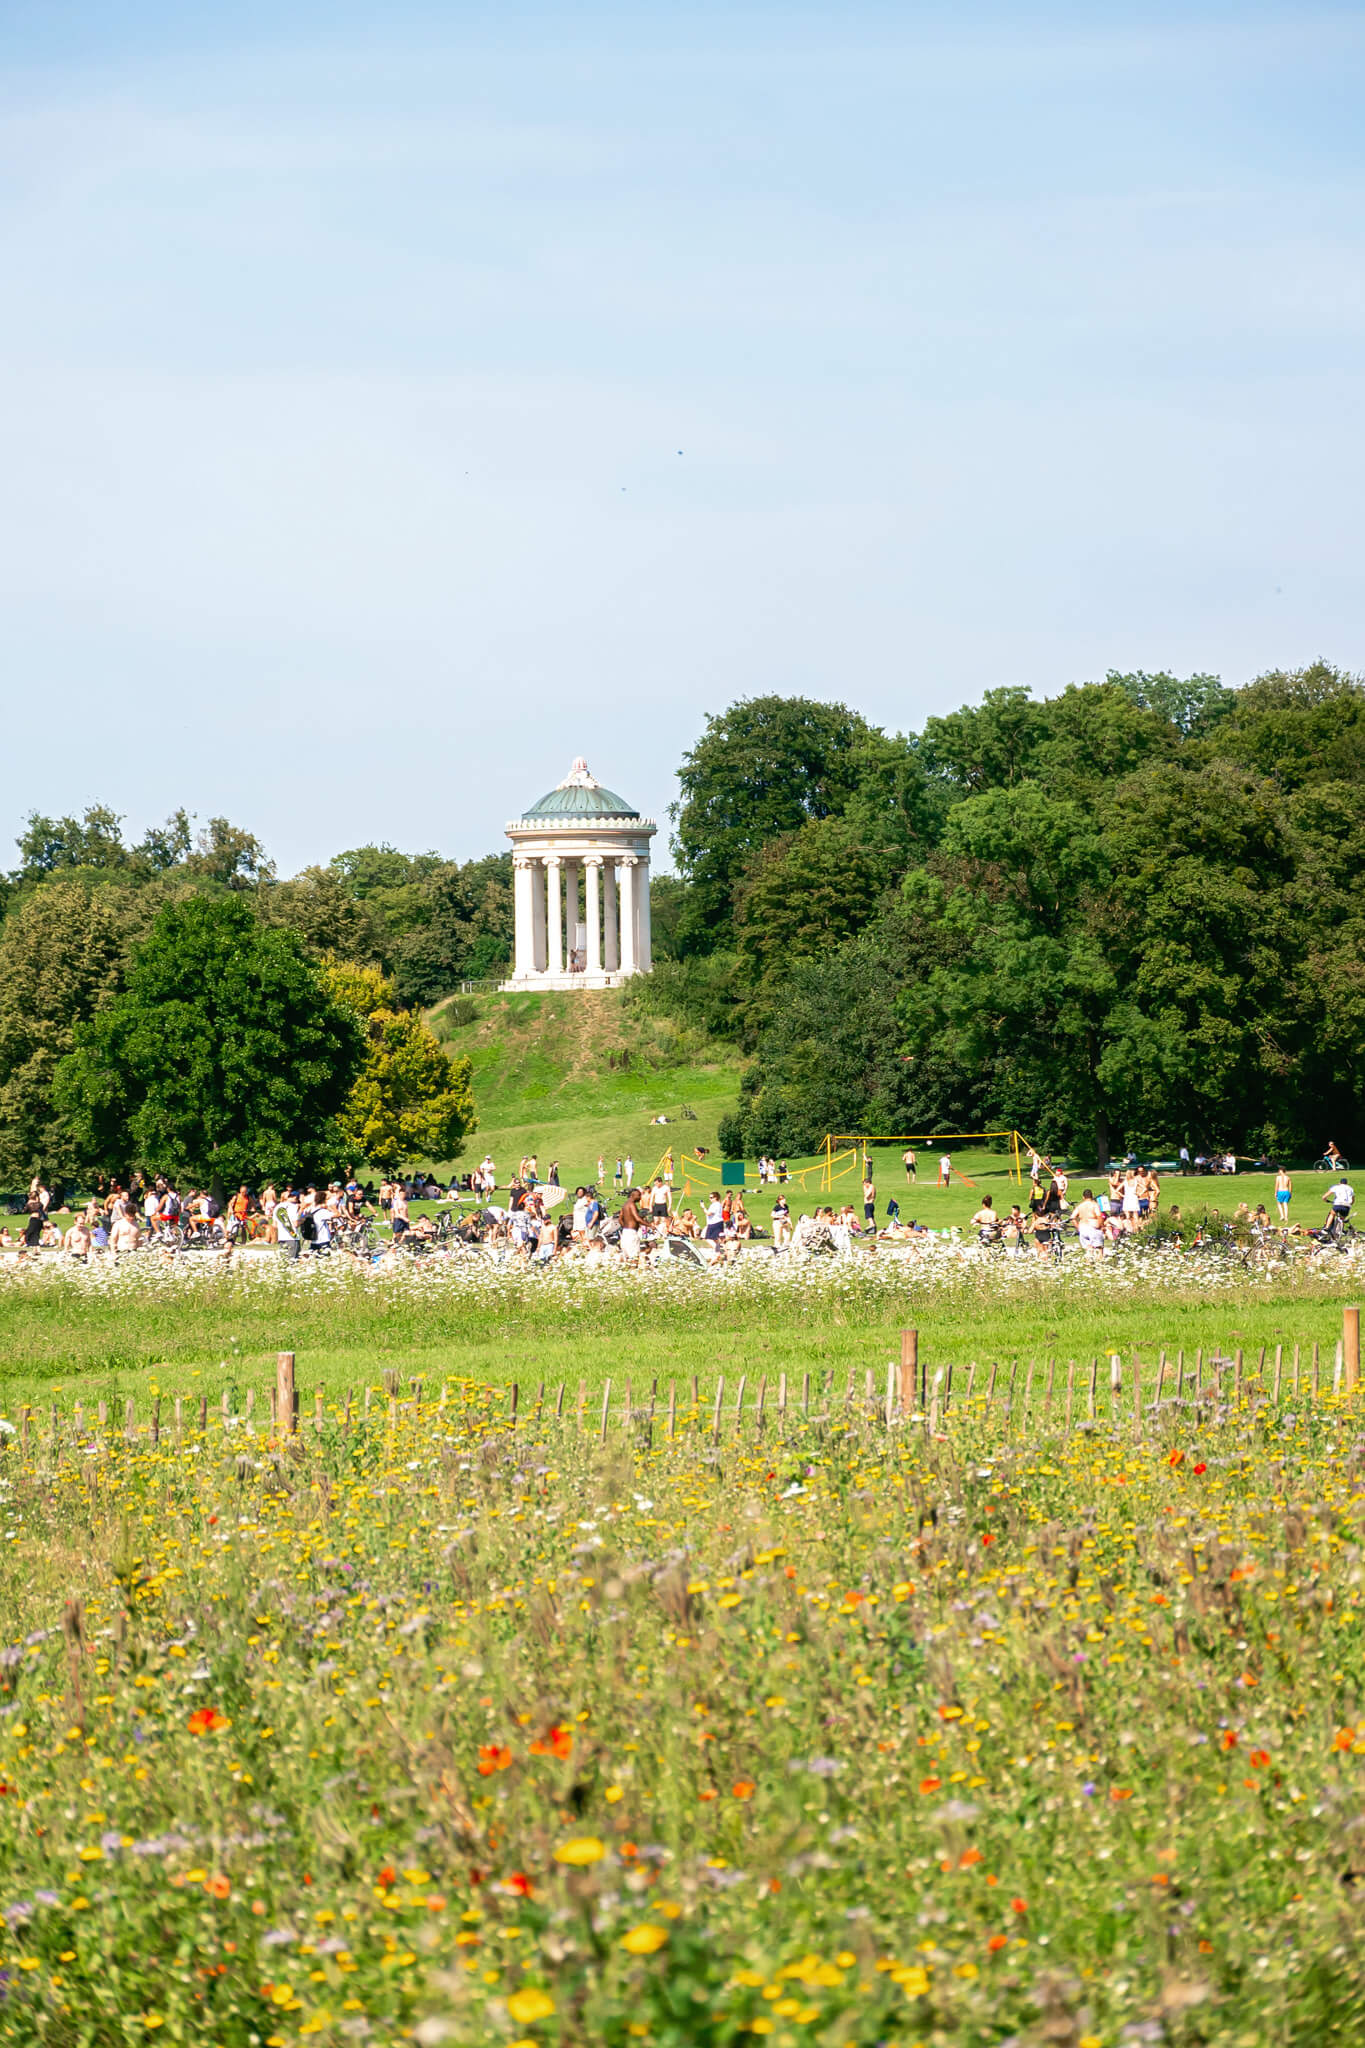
(633, 1224)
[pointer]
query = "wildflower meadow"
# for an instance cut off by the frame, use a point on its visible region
(444, 1725)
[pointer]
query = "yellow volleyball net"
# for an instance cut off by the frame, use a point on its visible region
(939, 1145)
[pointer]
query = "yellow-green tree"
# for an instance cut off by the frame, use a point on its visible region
(413, 1100)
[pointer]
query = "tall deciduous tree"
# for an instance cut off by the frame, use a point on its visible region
(225, 1057)
(412, 1099)
(766, 766)
(61, 953)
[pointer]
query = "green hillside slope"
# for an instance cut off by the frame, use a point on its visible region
(575, 1076)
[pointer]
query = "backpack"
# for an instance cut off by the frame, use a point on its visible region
(307, 1228)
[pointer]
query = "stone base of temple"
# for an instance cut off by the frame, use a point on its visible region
(536, 984)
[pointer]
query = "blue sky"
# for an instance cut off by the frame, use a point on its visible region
(396, 401)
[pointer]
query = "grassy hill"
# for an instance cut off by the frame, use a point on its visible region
(575, 1076)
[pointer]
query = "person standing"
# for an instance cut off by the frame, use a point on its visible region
(869, 1200)
(911, 1165)
(630, 1171)
(400, 1212)
(945, 1170)
(1284, 1188)
(781, 1221)
(601, 1169)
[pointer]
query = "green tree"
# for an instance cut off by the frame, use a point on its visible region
(802, 895)
(412, 1099)
(223, 1058)
(766, 766)
(1298, 726)
(62, 952)
(47, 845)
(326, 916)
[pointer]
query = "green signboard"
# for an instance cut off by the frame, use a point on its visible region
(732, 1173)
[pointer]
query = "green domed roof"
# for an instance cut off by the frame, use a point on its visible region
(580, 795)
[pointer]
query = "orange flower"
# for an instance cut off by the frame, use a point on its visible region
(207, 1721)
(387, 1876)
(708, 1795)
(1125, 1793)
(492, 1758)
(220, 1887)
(559, 1742)
(1229, 1738)
(969, 1857)
(1258, 1759)
(519, 1883)
(930, 1784)
(1018, 1905)
(1176, 1458)
(1344, 1738)
(997, 1941)
(743, 1788)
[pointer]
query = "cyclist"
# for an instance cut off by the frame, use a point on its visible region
(1340, 1197)
(1333, 1156)
(986, 1222)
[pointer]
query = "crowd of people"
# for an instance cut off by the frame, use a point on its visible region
(631, 1224)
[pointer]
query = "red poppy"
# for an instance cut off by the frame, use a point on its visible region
(1198, 1469)
(387, 1876)
(519, 1883)
(1019, 1905)
(997, 1941)
(1229, 1738)
(207, 1721)
(493, 1758)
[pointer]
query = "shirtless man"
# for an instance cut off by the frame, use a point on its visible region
(124, 1235)
(1089, 1221)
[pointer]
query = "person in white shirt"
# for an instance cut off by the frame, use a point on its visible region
(1340, 1197)
(945, 1171)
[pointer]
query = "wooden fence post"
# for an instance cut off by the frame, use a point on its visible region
(672, 1409)
(512, 1412)
(715, 1412)
(286, 1395)
(606, 1412)
(155, 1429)
(910, 1373)
(1350, 1343)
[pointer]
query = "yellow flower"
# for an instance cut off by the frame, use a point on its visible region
(530, 2004)
(645, 1939)
(153, 2019)
(614, 1792)
(580, 1850)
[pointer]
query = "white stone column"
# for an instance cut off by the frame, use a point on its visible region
(554, 919)
(644, 953)
(523, 955)
(538, 921)
(627, 865)
(570, 911)
(611, 949)
(592, 882)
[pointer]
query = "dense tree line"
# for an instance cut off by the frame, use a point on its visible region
(1129, 914)
(172, 1004)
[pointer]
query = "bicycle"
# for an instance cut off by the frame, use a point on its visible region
(1329, 1165)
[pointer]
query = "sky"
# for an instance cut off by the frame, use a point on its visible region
(398, 400)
